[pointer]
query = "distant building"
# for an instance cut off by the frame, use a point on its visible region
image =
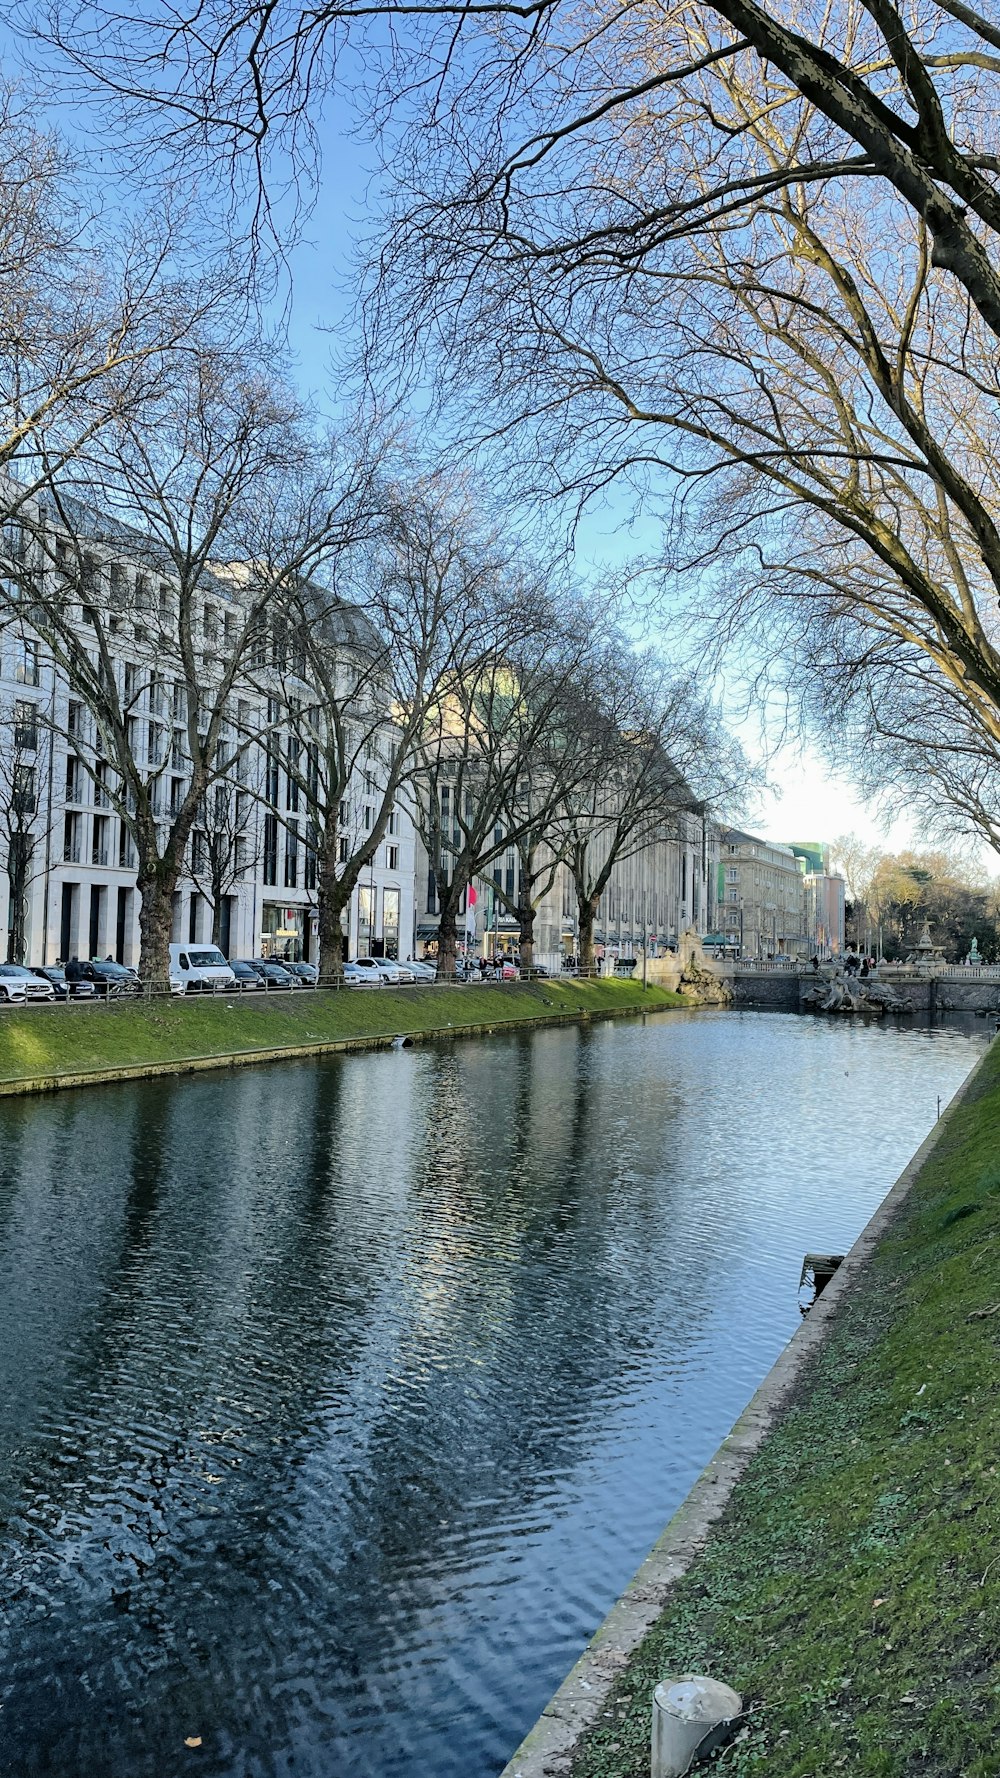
(825, 912)
(762, 897)
(815, 855)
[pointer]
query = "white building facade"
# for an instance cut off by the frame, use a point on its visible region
(80, 897)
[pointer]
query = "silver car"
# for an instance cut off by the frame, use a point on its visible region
(18, 985)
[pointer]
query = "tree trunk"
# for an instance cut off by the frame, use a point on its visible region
(156, 913)
(18, 868)
(586, 911)
(447, 938)
(526, 935)
(217, 922)
(332, 896)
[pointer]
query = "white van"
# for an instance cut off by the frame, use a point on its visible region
(201, 968)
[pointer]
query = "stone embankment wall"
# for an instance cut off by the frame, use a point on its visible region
(785, 991)
(775, 992)
(929, 994)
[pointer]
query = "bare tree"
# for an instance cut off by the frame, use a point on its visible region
(91, 310)
(517, 92)
(23, 829)
(650, 740)
(377, 665)
(159, 624)
(226, 843)
(726, 248)
(479, 783)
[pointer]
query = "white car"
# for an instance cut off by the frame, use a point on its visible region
(391, 972)
(18, 985)
(422, 972)
(355, 977)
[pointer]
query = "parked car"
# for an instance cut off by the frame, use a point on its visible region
(62, 989)
(245, 976)
(307, 973)
(422, 972)
(273, 974)
(362, 978)
(202, 968)
(392, 972)
(18, 985)
(112, 980)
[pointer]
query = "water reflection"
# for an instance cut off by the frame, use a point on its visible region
(337, 1401)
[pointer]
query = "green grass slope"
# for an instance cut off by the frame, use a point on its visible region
(41, 1042)
(852, 1590)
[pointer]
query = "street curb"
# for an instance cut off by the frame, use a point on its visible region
(549, 1746)
(50, 1083)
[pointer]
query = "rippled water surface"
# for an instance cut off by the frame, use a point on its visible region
(339, 1400)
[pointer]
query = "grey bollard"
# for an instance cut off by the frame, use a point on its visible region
(691, 1717)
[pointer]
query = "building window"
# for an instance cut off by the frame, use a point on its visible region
(366, 918)
(394, 822)
(292, 855)
(24, 799)
(432, 900)
(99, 851)
(343, 848)
(26, 663)
(390, 922)
(71, 839)
(392, 858)
(25, 725)
(270, 849)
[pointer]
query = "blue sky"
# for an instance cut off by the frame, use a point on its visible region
(807, 799)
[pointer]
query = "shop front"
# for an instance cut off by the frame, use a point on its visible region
(284, 933)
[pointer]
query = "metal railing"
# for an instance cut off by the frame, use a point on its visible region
(129, 993)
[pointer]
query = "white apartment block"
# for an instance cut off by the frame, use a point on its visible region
(81, 898)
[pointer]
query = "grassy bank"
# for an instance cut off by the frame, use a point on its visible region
(46, 1042)
(851, 1592)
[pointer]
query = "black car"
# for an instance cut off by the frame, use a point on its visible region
(111, 980)
(247, 978)
(64, 990)
(272, 974)
(306, 973)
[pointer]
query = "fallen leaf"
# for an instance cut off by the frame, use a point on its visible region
(192, 1740)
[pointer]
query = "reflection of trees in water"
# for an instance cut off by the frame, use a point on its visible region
(380, 1302)
(211, 1355)
(529, 1286)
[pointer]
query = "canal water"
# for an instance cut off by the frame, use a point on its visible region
(339, 1400)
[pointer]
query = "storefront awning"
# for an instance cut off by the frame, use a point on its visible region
(427, 931)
